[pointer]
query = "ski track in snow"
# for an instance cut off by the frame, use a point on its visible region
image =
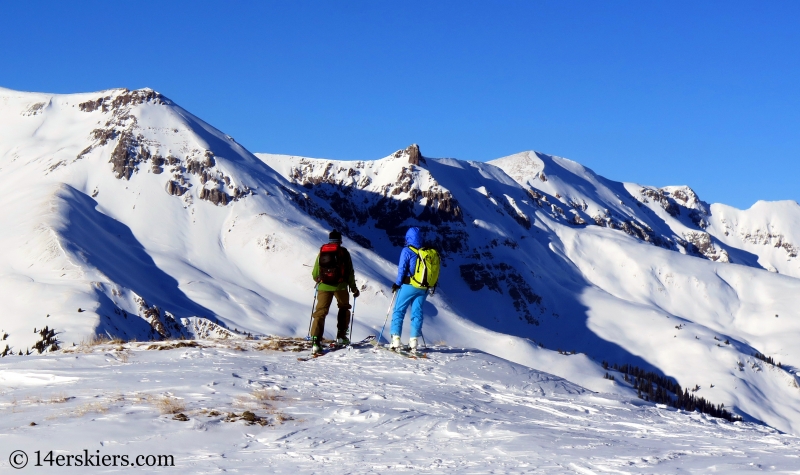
(358, 411)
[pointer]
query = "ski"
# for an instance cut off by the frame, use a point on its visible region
(405, 351)
(314, 356)
(334, 347)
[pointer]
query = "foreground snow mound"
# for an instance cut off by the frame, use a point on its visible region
(218, 407)
(125, 216)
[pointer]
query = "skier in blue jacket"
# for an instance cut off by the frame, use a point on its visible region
(408, 294)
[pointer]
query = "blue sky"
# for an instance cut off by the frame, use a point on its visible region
(661, 93)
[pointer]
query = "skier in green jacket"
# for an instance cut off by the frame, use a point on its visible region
(334, 274)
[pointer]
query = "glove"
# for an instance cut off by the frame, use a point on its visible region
(356, 293)
(395, 288)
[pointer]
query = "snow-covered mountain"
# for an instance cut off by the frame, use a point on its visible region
(123, 214)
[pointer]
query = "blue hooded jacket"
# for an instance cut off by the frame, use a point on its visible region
(408, 260)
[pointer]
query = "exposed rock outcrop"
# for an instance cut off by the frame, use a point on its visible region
(175, 188)
(126, 99)
(205, 329)
(34, 109)
(660, 197)
(413, 154)
(700, 243)
(164, 324)
(402, 201)
(769, 238)
(215, 196)
(133, 149)
(127, 155)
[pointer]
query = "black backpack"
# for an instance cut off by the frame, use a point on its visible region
(332, 264)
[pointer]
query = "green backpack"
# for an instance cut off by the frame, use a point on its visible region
(426, 273)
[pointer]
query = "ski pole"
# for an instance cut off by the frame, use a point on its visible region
(313, 305)
(391, 306)
(352, 321)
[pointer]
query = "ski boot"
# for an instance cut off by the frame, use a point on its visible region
(396, 345)
(316, 346)
(413, 344)
(342, 341)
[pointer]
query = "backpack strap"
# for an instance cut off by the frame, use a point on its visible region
(348, 262)
(416, 267)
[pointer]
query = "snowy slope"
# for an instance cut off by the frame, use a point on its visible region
(141, 203)
(352, 412)
(576, 262)
(123, 214)
(673, 217)
(765, 235)
(640, 296)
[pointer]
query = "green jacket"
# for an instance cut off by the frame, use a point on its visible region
(350, 279)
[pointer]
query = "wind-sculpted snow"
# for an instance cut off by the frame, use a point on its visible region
(125, 216)
(355, 411)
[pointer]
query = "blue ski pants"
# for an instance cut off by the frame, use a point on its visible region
(408, 295)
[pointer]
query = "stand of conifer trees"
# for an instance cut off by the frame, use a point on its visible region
(767, 359)
(663, 390)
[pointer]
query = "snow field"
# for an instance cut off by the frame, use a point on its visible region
(357, 411)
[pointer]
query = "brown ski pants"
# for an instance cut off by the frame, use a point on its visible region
(324, 300)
